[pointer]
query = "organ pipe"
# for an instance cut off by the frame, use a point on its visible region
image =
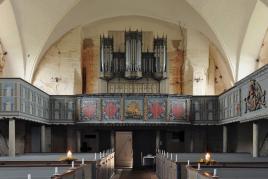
(133, 63)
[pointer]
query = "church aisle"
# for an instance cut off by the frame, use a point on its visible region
(134, 174)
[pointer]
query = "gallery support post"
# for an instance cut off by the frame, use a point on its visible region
(255, 141)
(12, 138)
(224, 139)
(43, 138)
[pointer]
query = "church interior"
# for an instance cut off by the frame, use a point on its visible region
(173, 89)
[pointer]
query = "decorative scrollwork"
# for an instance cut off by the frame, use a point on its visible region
(256, 97)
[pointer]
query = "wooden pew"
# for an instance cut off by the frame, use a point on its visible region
(170, 169)
(193, 173)
(102, 169)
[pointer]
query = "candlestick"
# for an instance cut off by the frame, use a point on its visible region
(56, 171)
(215, 172)
(72, 164)
(198, 167)
(83, 161)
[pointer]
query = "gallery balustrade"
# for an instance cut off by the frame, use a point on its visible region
(244, 102)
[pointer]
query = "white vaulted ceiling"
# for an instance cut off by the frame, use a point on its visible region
(29, 27)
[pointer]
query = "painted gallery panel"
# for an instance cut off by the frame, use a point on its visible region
(156, 108)
(111, 108)
(90, 108)
(178, 109)
(134, 108)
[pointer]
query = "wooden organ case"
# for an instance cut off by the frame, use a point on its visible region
(133, 70)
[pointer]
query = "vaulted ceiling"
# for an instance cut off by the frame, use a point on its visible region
(29, 27)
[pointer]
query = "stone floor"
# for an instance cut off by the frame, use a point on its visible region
(135, 174)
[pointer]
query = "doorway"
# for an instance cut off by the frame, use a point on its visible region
(123, 149)
(144, 142)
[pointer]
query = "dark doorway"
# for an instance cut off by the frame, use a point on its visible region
(144, 143)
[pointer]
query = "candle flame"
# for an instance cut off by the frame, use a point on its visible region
(69, 154)
(207, 157)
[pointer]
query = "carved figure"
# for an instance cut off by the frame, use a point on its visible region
(256, 97)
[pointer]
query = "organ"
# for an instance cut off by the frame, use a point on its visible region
(133, 63)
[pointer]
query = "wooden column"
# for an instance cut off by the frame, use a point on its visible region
(12, 138)
(255, 151)
(224, 139)
(43, 138)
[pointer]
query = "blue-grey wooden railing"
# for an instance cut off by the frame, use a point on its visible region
(21, 100)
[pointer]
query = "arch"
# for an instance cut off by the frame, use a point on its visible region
(79, 16)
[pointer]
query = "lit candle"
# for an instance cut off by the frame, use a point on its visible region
(56, 172)
(215, 172)
(198, 168)
(69, 154)
(207, 157)
(83, 161)
(29, 176)
(72, 164)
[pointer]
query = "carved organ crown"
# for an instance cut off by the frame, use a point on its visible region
(133, 63)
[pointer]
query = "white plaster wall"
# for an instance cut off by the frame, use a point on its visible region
(62, 60)
(263, 56)
(10, 38)
(188, 78)
(36, 20)
(229, 21)
(224, 69)
(253, 41)
(198, 55)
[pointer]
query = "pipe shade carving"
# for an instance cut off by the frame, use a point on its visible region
(133, 63)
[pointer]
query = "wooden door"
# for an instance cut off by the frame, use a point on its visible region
(123, 150)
